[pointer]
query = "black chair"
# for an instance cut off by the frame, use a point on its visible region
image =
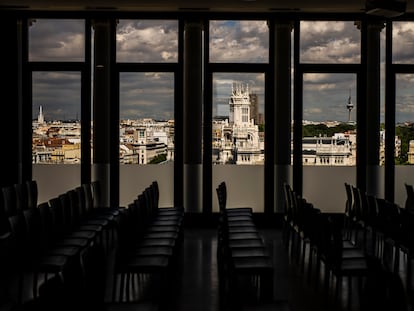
(92, 207)
(73, 225)
(9, 201)
(235, 211)
(81, 218)
(390, 226)
(32, 193)
(339, 264)
(131, 263)
(40, 244)
(348, 213)
(409, 201)
(243, 255)
(28, 258)
(52, 234)
(287, 214)
(63, 226)
(22, 196)
(175, 210)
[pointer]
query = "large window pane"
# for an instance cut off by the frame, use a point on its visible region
(330, 42)
(404, 139)
(56, 139)
(147, 41)
(403, 42)
(404, 117)
(239, 41)
(329, 138)
(146, 133)
(238, 118)
(238, 137)
(57, 40)
(329, 128)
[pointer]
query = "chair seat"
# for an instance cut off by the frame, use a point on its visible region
(154, 251)
(140, 264)
(245, 243)
(253, 264)
(156, 242)
(249, 252)
(244, 236)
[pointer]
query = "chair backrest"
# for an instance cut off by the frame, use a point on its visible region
(349, 201)
(97, 193)
(74, 206)
(32, 193)
(46, 219)
(156, 192)
(357, 208)
(22, 196)
(290, 199)
(221, 199)
(88, 196)
(221, 191)
(65, 201)
(4, 222)
(60, 224)
(36, 238)
(20, 243)
(9, 200)
(409, 202)
(80, 191)
(373, 207)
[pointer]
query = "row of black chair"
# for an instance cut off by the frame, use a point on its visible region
(53, 238)
(316, 238)
(16, 198)
(365, 240)
(148, 241)
(241, 253)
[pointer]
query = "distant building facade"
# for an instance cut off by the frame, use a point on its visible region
(236, 140)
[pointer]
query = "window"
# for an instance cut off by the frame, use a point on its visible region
(330, 42)
(57, 56)
(147, 41)
(146, 105)
(147, 117)
(239, 41)
(238, 118)
(57, 40)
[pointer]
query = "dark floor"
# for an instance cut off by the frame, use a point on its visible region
(195, 283)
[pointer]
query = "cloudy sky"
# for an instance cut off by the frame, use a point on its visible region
(151, 94)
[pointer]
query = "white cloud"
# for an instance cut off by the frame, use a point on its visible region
(147, 41)
(329, 42)
(239, 41)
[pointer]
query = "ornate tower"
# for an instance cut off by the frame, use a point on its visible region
(239, 104)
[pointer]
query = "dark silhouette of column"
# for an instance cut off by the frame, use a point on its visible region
(282, 111)
(193, 103)
(372, 125)
(101, 107)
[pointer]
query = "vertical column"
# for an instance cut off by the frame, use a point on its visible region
(282, 111)
(372, 106)
(101, 107)
(10, 88)
(193, 103)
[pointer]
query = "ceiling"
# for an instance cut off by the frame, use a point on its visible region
(324, 6)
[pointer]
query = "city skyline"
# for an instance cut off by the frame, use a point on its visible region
(325, 95)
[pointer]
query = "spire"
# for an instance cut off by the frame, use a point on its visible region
(40, 118)
(349, 106)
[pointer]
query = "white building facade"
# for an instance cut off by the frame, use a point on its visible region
(236, 139)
